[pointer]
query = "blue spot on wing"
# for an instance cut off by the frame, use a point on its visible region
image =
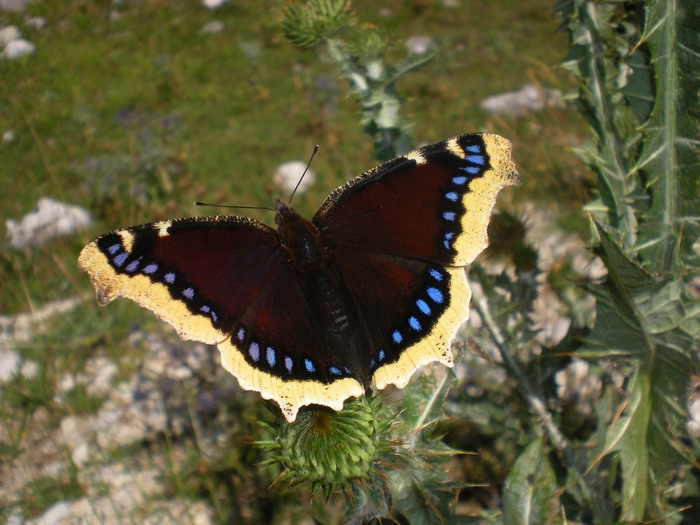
(413, 323)
(472, 169)
(150, 269)
(449, 216)
(334, 371)
(271, 356)
(397, 337)
(473, 148)
(435, 295)
(448, 240)
(170, 277)
(423, 307)
(435, 274)
(476, 159)
(309, 365)
(121, 258)
(254, 351)
(451, 195)
(114, 248)
(459, 180)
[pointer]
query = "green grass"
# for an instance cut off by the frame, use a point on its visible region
(103, 92)
(98, 91)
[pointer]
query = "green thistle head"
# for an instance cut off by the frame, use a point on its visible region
(306, 25)
(332, 450)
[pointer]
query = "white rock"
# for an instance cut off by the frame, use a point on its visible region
(81, 454)
(17, 49)
(76, 430)
(518, 103)
(37, 22)
(288, 174)
(693, 424)
(55, 514)
(215, 26)
(419, 45)
(94, 512)
(694, 410)
(14, 5)
(29, 369)
(100, 370)
(14, 519)
(8, 137)
(167, 512)
(50, 219)
(9, 364)
(67, 383)
(213, 4)
(8, 34)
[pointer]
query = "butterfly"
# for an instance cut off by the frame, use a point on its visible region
(369, 290)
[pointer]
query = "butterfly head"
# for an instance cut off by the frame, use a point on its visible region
(298, 235)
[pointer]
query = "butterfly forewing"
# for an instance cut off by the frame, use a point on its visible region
(433, 203)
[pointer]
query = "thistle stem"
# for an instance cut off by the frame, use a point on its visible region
(536, 403)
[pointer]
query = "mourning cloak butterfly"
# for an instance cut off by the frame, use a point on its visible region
(361, 296)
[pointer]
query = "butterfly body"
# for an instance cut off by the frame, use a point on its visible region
(316, 311)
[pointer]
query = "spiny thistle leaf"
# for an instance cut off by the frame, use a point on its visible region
(652, 319)
(600, 42)
(530, 494)
(671, 146)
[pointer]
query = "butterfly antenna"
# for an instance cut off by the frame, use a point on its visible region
(313, 153)
(198, 203)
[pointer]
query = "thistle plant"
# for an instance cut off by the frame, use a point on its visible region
(636, 65)
(358, 53)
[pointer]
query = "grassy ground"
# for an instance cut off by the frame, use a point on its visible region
(132, 112)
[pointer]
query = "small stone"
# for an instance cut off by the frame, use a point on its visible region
(215, 26)
(9, 364)
(518, 103)
(419, 45)
(36, 22)
(55, 514)
(101, 370)
(81, 454)
(17, 49)
(8, 137)
(213, 4)
(8, 34)
(49, 220)
(288, 175)
(15, 6)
